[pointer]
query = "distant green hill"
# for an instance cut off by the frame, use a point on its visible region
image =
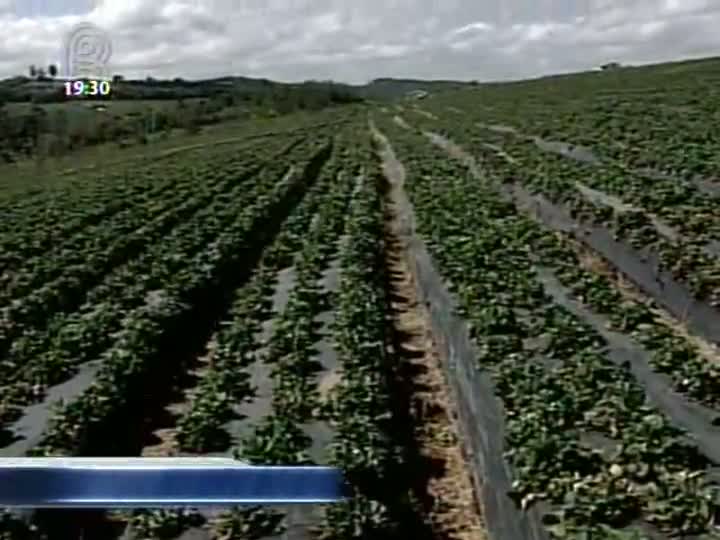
(393, 88)
(25, 89)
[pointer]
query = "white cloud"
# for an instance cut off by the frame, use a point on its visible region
(357, 41)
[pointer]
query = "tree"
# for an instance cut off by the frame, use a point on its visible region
(192, 119)
(60, 127)
(33, 71)
(52, 71)
(229, 100)
(40, 136)
(141, 132)
(5, 135)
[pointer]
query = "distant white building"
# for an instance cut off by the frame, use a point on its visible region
(417, 94)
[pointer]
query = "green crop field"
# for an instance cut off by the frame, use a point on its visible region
(543, 255)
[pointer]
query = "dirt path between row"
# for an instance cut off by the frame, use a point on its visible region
(448, 497)
(446, 490)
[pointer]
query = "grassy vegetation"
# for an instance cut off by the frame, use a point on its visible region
(112, 106)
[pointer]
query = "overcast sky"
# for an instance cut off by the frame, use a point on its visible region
(358, 40)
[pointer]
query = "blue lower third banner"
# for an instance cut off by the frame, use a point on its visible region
(157, 482)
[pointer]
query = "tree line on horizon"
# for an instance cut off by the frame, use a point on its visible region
(37, 131)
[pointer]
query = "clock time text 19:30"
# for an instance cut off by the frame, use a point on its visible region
(87, 88)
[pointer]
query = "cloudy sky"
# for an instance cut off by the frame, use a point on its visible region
(358, 40)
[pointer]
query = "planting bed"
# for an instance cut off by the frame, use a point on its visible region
(236, 307)
(621, 380)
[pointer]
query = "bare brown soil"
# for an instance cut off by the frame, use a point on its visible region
(450, 502)
(328, 382)
(448, 498)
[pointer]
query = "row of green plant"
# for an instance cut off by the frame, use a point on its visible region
(551, 369)
(51, 209)
(662, 127)
(300, 230)
(43, 358)
(681, 204)
(46, 211)
(690, 214)
(135, 358)
(53, 285)
(367, 443)
(281, 437)
(691, 372)
(150, 194)
(131, 368)
(225, 382)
